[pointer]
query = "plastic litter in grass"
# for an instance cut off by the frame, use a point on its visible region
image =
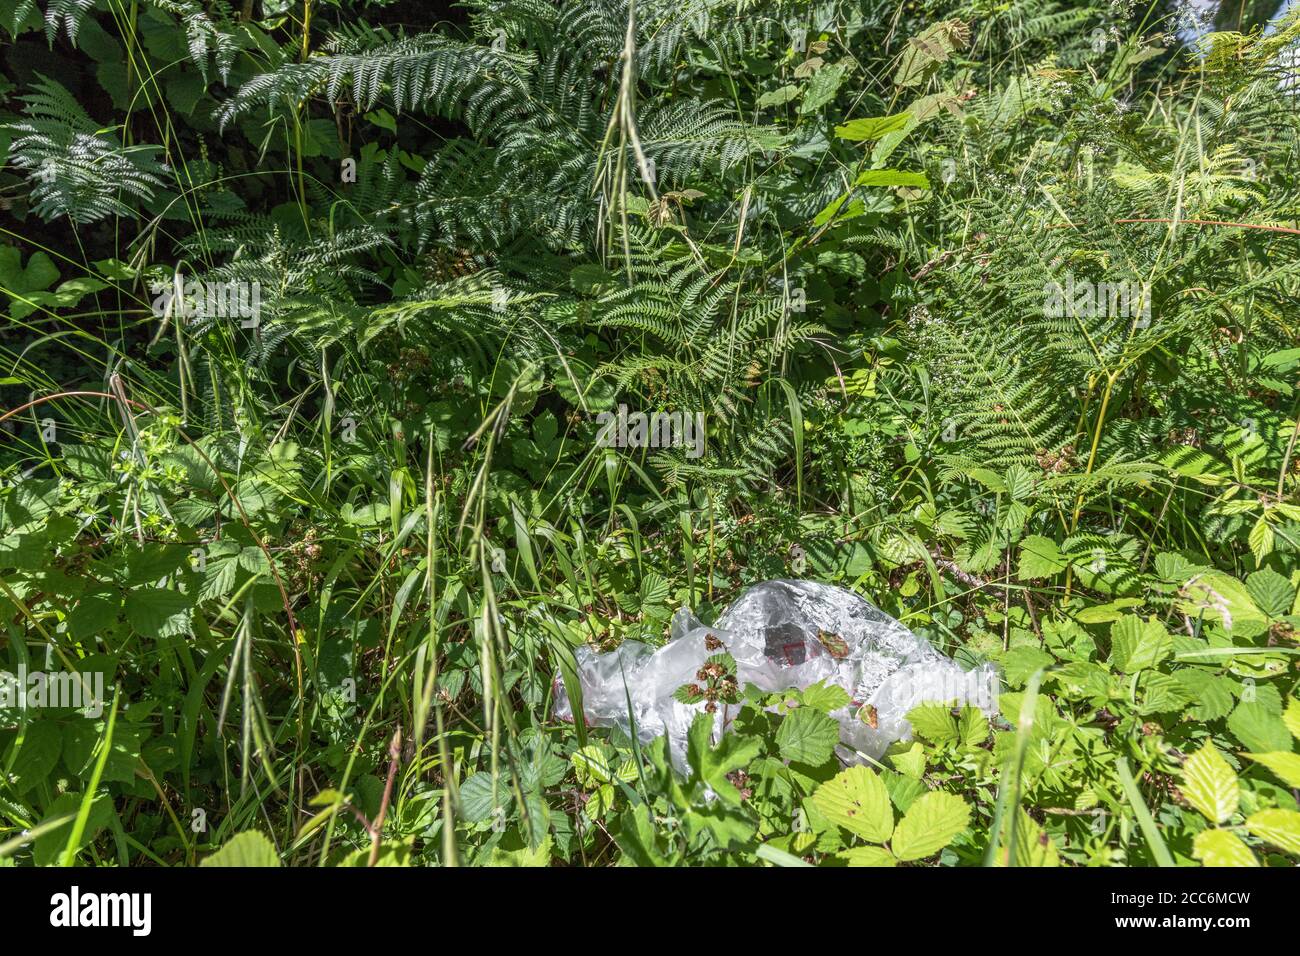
(782, 634)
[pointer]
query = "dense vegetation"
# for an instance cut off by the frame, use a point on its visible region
(313, 308)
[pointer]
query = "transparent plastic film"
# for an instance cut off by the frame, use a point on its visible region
(783, 634)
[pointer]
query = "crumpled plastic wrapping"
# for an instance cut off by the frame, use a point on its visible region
(783, 634)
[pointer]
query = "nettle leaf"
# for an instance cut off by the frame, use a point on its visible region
(807, 736)
(857, 800)
(1020, 663)
(825, 697)
(1137, 644)
(37, 756)
(1257, 725)
(823, 86)
(1278, 827)
(1212, 692)
(477, 800)
(158, 612)
(48, 848)
(1222, 848)
(1271, 592)
(1210, 784)
(1040, 558)
(1283, 763)
(929, 825)
(249, 848)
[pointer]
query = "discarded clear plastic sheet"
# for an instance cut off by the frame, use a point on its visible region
(782, 634)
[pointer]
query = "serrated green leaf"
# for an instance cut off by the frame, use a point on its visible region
(869, 128)
(807, 736)
(1283, 763)
(637, 838)
(1210, 785)
(1137, 645)
(857, 800)
(1212, 692)
(934, 722)
(1222, 848)
(823, 86)
(728, 825)
(929, 825)
(1040, 558)
(477, 801)
(778, 97)
(909, 759)
(525, 857)
(1106, 613)
(903, 790)
(1291, 717)
(1033, 845)
(825, 697)
(42, 742)
(972, 727)
(1020, 663)
(688, 694)
(712, 764)
(49, 846)
(158, 612)
(1220, 597)
(1278, 827)
(249, 848)
(868, 856)
(892, 177)
(591, 766)
(1261, 539)
(1271, 592)
(1259, 727)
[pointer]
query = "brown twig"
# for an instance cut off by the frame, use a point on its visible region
(394, 754)
(1033, 613)
(965, 577)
